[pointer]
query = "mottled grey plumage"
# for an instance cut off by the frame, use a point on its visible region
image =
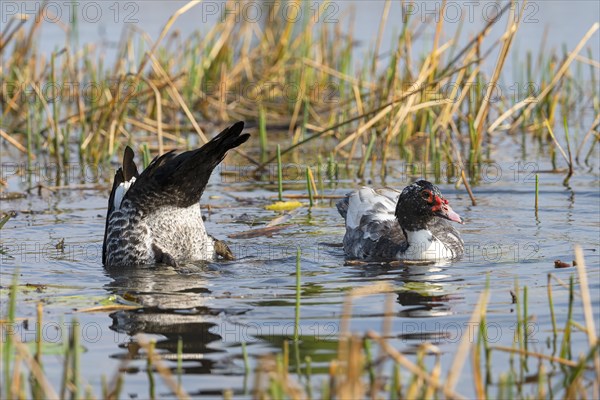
(385, 224)
(155, 216)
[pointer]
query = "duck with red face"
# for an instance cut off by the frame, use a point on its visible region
(412, 225)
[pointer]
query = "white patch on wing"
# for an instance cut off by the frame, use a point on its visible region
(368, 201)
(120, 192)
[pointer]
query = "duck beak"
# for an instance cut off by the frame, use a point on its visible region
(444, 210)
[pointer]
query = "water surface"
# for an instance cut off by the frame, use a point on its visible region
(214, 307)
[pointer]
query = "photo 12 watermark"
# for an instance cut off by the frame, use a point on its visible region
(482, 253)
(130, 12)
(271, 11)
(71, 92)
(62, 12)
(402, 173)
(470, 11)
(256, 331)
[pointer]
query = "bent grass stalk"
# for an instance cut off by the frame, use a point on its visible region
(75, 350)
(8, 341)
(589, 315)
(298, 296)
(565, 347)
(146, 157)
(36, 390)
(369, 150)
(552, 315)
(149, 368)
(570, 161)
(309, 186)
(246, 359)
(308, 374)
(262, 133)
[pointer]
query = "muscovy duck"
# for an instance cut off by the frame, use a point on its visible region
(154, 217)
(385, 224)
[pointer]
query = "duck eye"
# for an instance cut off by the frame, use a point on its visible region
(426, 194)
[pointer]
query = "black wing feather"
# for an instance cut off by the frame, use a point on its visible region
(129, 168)
(179, 180)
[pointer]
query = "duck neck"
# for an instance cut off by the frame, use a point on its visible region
(414, 224)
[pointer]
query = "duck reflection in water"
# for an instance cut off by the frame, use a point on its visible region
(424, 291)
(175, 305)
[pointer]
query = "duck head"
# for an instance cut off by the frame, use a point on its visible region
(419, 203)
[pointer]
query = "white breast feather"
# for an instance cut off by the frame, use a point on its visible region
(425, 246)
(120, 192)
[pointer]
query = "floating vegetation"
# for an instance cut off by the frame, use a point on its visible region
(284, 205)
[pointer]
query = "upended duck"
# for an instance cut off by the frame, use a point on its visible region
(154, 217)
(386, 224)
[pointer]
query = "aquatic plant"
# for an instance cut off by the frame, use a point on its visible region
(293, 77)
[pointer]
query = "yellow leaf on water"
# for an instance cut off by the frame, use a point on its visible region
(284, 205)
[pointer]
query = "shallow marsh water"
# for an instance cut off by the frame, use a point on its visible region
(215, 307)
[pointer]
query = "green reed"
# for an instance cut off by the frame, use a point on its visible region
(298, 295)
(309, 189)
(279, 174)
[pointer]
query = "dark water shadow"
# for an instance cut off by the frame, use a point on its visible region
(176, 305)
